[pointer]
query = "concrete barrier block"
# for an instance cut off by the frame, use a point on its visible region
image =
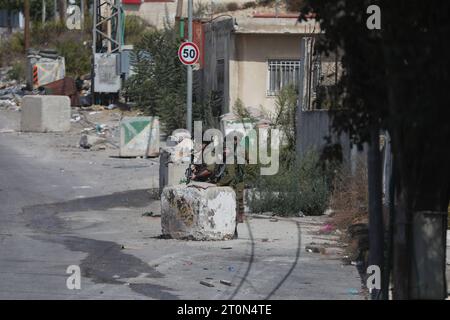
(139, 136)
(170, 173)
(198, 211)
(45, 114)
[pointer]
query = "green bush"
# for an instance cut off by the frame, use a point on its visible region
(77, 56)
(135, 27)
(17, 71)
(159, 84)
(298, 186)
(11, 48)
(43, 34)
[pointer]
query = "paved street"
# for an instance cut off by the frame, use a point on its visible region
(62, 206)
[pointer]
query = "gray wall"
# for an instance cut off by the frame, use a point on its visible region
(312, 127)
(218, 46)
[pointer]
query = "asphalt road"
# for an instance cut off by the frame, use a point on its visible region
(62, 206)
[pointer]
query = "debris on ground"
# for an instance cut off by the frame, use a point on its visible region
(326, 229)
(148, 214)
(89, 141)
(226, 282)
(315, 249)
(353, 291)
(206, 283)
(6, 130)
(75, 118)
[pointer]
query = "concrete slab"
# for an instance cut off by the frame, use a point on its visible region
(198, 211)
(45, 114)
(139, 136)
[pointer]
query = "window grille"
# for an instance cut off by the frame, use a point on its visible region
(282, 73)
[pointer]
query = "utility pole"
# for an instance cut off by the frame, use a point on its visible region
(26, 10)
(62, 11)
(44, 11)
(189, 73)
(376, 228)
(82, 13)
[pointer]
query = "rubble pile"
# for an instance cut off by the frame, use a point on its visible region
(11, 92)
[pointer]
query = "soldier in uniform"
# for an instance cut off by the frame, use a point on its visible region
(231, 175)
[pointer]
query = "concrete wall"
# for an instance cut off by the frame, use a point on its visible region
(249, 68)
(312, 127)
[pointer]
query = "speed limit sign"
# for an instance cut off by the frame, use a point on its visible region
(188, 53)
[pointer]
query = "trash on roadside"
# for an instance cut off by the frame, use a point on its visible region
(89, 141)
(206, 283)
(148, 214)
(328, 228)
(231, 269)
(314, 249)
(273, 220)
(75, 118)
(100, 128)
(63, 87)
(9, 105)
(225, 282)
(353, 291)
(6, 130)
(112, 106)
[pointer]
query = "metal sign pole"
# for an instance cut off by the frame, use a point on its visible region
(189, 73)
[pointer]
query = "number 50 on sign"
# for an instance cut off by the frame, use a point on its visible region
(188, 53)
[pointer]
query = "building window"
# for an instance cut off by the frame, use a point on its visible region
(282, 73)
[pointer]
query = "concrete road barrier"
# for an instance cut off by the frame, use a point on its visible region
(170, 173)
(139, 137)
(45, 114)
(198, 211)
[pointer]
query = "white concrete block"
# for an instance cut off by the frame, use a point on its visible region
(139, 136)
(198, 211)
(170, 173)
(45, 114)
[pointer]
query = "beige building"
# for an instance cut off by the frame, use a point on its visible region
(252, 59)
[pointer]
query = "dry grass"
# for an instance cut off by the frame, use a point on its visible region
(349, 199)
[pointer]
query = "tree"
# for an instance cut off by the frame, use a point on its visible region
(35, 7)
(394, 79)
(159, 85)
